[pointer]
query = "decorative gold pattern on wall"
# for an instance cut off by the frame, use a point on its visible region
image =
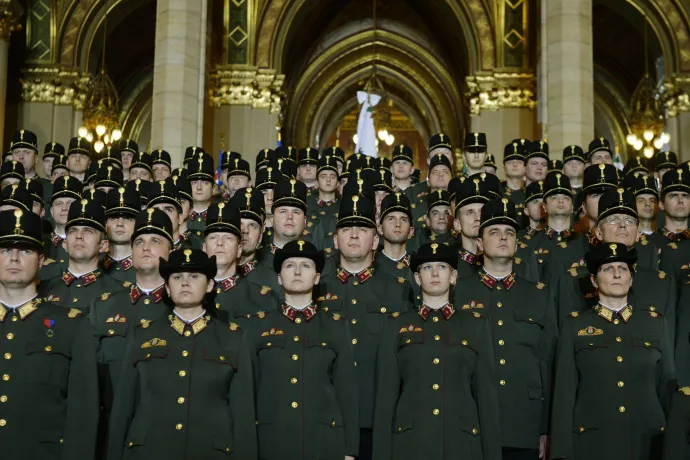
(40, 34)
(676, 95)
(493, 91)
(513, 32)
(55, 86)
(10, 15)
(258, 88)
(70, 31)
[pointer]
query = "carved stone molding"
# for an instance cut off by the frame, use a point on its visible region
(494, 91)
(56, 86)
(676, 95)
(10, 15)
(257, 88)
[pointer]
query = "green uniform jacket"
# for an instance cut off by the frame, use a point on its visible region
(238, 300)
(545, 242)
(612, 386)
(397, 269)
(186, 392)
(197, 222)
(79, 292)
(316, 209)
(425, 235)
(683, 335)
(305, 383)
(54, 250)
(651, 290)
(674, 260)
(524, 263)
(113, 318)
(51, 268)
(120, 270)
(365, 300)
(49, 385)
(436, 388)
(261, 276)
(677, 433)
(190, 240)
(524, 331)
(660, 239)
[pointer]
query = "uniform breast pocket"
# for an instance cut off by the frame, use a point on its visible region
(268, 346)
(590, 347)
(321, 350)
(377, 313)
(650, 347)
(528, 328)
(113, 342)
(219, 356)
(409, 341)
(150, 356)
(48, 363)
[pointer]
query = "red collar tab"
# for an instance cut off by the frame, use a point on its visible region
(246, 268)
(681, 236)
(228, 283)
(56, 239)
(194, 215)
(490, 282)
(447, 311)
(157, 294)
(468, 257)
(551, 233)
(68, 278)
(291, 312)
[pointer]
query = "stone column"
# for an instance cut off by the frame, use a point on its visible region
(246, 105)
(568, 73)
(178, 76)
(10, 13)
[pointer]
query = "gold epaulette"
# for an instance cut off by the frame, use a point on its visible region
(48, 261)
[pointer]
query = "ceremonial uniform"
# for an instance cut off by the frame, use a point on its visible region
(186, 386)
(200, 168)
(676, 441)
(322, 216)
(120, 270)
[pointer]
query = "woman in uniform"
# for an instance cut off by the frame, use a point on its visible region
(186, 389)
(304, 370)
(614, 370)
(436, 394)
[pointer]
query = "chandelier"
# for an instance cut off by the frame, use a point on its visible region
(648, 114)
(100, 122)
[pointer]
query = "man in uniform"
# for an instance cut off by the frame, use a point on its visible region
(664, 162)
(475, 153)
(339, 155)
(490, 164)
(114, 315)
(66, 190)
(653, 290)
(79, 157)
(141, 168)
(11, 173)
(51, 152)
(440, 173)
(237, 300)
(647, 200)
(25, 150)
(238, 175)
(574, 166)
(307, 160)
(536, 162)
(534, 211)
(49, 385)
(201, 173)
(289, 218)
(600, 152)
(60, 168)
(523, 328)
(470, 197)
(675, 203)
(438, 226)
(395, 227)
(108, 177)
(266, 181)
(165, 196)
(363, 296)
(121, 209)
(438, 144)
(322, 207)
(128, 149)
(185, 192)
(82, 281)
(161, 165)
(402, 167)
(514, 166)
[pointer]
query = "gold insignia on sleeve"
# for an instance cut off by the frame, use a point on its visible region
(73, 313)
(590, 330)
(541, 286)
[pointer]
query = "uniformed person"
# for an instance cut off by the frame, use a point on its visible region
(237, 300)
(304, 369)
(534, 211)
(59, 168)
(438, 226)
(186, 390)
(653, 290)
(263, 158)
(438, 144)
(201, 173)
(11, 173)
(66, 190)
(51, 152)
(600, 152)
(339, 155)
(614, 370)
(646, 193)
(184, 189)
(395, 228)
(440, 173)
(676, 443)
(289, 209)
(574, 166)
(141, 167)
(536, 161)
(108, 177)
(490, 164)
(161, 165)
(474, 153)
(266, 180)
(35, 190)
(514, 166)
(113, 316)
(363, 296)
(164, 195)
(675, 203)
(79, 157)
(523, 328)
(191, 153)
(128, 149)
(121, 209)
(322, 207)
(24, 149)
(434, 363)
(83, 280)
(402, 167)
(470, 197)
(49, 383)
(307, 160)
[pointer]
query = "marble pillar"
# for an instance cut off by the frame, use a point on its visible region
(178, 76)
(568, 73)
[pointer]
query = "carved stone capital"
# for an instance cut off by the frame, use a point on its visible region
(257, 88)
(56, 86)
(496, 90)
(676, 95)
(10, 17)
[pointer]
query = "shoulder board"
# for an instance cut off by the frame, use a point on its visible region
(662, 274)
(73, 313)
(145, 323)
(573, 272)
(234, 327)
(541, 286)
(574, 314)
(265, 290)
(127, 284)
(48, 261)
(684, 390)
(105, 296)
